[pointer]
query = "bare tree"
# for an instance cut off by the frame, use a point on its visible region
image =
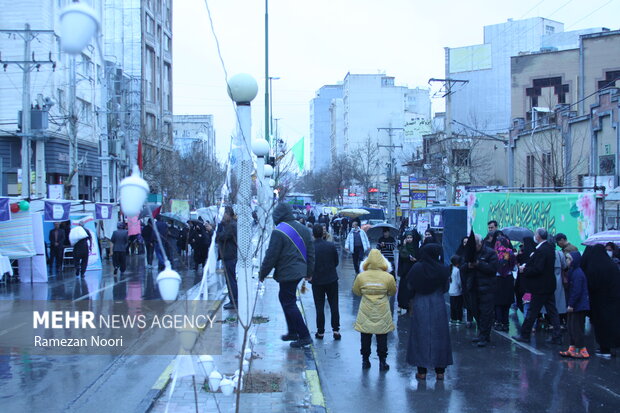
(367, 166)
(203, 175)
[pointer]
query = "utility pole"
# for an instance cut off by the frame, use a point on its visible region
(73, 145)
(391, 172)
(447, 90)
(27, 65)
(267, 80)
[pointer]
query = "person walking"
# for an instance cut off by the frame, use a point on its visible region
(374, 285)
(603, 278)
(455, 291)
(291, 254)
(325, 282)
(540, 282)
(429, 337)
(386, 244)
(407, 256)
(504, 283)
(578, 306)
(226, 238)
(149, 242)
(120, 243)
(162, 230)
(357, 243)
(57, 246)
(563, 243)
(82, 243)
(480, 276)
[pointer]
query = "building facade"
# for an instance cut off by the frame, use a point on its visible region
(189, 130)
(484, 103)
(321, 127)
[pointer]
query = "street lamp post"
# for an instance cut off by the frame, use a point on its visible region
(242, 88)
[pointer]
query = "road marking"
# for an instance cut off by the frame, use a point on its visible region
(8, 330)
(316, 394)
(607, 390)
(525, 346)
(164, 377)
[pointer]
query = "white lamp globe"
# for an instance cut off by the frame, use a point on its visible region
(168, 282)
(260, 147)
(133, 192)
(207, 363)
(227, 387)
(214, 380)
(268, 171)
(78, 25)
(242, 88)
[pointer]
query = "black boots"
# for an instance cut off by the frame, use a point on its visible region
(383, 366)
(365, 362)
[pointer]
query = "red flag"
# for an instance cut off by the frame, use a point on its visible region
(140, 154)
(156, 211)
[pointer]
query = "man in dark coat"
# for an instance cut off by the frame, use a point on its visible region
(120, 242)
(162, 230)
(325, 282)
(57, 245)
(226, 238)
(291, 253)
(539, 274)
(480, 276)
(149, 242)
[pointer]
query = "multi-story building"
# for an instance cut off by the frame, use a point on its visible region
(321, 127)
(484, 102)
(50, 92)
(189, 130)
(116, 102)
(564, 110)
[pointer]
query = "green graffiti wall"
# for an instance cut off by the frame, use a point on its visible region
(573, 214)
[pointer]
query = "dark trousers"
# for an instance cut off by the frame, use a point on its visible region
(501, 314)
(150, 248)
(403, 292)
(56, 255)
(456, 307)
(538, 302)
(200, 256)
(485, 309)
(318, 293)
(381, 345)
(358, 256)
(80, 262)
(119, 260)
(230, 269)
(288, 300)
(576, 324)
(438, 370)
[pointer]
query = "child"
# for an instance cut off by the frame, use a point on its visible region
(578, 305)
(455, 291)
(374, 284)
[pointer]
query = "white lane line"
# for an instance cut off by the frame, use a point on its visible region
(525, 346)
(607, 390)
(8, 330)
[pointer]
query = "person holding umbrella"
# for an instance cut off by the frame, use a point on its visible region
(357, 244)
(386, 245)
(407, 257)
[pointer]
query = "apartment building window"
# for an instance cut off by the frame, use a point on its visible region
(150, 24)
(84, 111)
(61, 99)
(610, 79)
(150, 123)
(460, 157)
(530, 171)
(547, 169)
(549, 29)
(85, 65)
(167, 43)
(150, 74)
(167, 98)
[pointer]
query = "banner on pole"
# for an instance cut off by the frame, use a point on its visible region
(103, 211)
(57, 211)
(180, 207)
(5, 215)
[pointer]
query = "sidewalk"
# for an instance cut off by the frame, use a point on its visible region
(298, 389)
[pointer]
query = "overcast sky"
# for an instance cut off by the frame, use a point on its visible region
(316, 42)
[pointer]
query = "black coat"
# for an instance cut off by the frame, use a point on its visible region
(325, 262)
(283, 255)
(539, 273)
(481, 279)
(226, 239)
(61, 238)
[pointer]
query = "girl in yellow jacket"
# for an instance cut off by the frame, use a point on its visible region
(375, 284)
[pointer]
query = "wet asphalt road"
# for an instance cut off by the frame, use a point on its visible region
(90, 383)
(504, 377)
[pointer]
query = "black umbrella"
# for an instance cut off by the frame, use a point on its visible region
(469, 252)
(517, 233)
(376, 231)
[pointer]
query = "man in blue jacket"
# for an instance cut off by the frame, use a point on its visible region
(291, 253)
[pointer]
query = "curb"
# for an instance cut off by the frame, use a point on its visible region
(312, 373)
(161, 383)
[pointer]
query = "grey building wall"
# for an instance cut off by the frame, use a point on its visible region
(320, 126)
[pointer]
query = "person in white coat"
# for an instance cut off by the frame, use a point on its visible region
(357, 243)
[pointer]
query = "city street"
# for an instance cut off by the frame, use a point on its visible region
(87, 383)
(505, 376)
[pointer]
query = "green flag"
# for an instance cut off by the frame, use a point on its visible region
(298, 152)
